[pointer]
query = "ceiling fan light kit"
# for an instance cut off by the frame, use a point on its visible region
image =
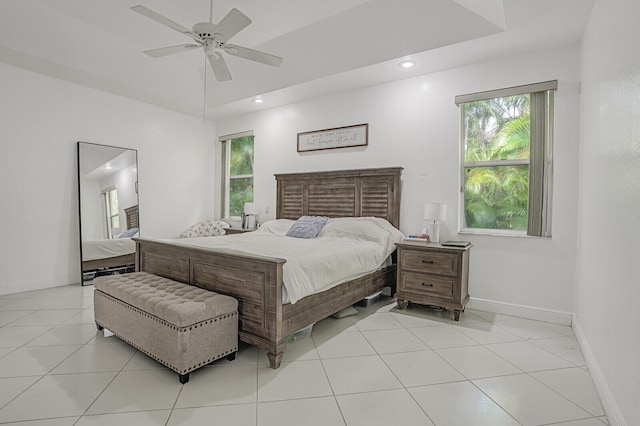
(213, 39)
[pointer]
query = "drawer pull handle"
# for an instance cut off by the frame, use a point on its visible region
(428, 261)
(427, 285)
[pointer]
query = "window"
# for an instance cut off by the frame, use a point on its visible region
(506, 160)
(111, 208)
(237, 169)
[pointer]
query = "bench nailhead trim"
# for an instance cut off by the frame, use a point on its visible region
(163, 322)
(173, 327)
(174, 368)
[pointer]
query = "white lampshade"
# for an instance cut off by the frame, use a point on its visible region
(250, 208)
(435, 211)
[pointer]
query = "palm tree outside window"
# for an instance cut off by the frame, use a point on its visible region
(237, 169)
(506, 161)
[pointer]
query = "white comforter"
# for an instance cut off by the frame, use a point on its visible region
(102, 249)
(346, 248)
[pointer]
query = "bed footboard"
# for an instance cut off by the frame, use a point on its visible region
(256, 282)
(314, 308)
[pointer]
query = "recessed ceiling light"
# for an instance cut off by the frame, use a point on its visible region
(407, 64)
(258, 100)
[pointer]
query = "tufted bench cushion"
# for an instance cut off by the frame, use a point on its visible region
(182, 326)
(180, 304)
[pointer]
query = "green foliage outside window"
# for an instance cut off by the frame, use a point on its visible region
(240, 174)
(497, 131)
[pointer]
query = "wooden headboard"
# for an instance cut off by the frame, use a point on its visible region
(340, 193)
(131, 214)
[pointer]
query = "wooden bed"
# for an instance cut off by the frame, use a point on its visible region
(131, 214)
(256, 281)
(109, 262)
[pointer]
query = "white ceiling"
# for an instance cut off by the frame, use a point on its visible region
(98, 161)
(327, 46)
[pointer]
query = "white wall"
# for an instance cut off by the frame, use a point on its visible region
(41, 119)
(608, 291)
(414, 123)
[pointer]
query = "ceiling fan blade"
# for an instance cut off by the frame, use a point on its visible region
(164, 51)
(219, 67)
(253, 55)
(232, 24)
(165, 21)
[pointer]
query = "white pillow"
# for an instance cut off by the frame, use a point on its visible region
(363, 228)
(276, 226)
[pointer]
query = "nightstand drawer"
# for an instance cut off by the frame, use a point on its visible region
(429, 262)
(426, 284)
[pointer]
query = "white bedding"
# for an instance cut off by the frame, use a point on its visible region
(346, 248)
(103, 249)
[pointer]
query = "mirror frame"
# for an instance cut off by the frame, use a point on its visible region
(108, 265)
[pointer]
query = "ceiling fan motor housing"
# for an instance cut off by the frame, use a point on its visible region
(206, 30)
(213, 39)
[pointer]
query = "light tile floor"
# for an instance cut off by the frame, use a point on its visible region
(380, 367)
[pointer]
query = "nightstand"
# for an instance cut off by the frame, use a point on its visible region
(229, 231)
(432, 274)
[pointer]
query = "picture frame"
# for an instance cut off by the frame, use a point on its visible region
(337, 137)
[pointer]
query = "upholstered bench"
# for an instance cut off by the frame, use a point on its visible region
(181, 326)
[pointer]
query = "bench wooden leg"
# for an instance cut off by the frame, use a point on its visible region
(231, 356)
(184, 378)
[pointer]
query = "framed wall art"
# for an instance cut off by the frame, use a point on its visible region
(339, 137)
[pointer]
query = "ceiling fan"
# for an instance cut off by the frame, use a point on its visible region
(213, 39)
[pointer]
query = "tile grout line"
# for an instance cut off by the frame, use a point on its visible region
(335, 397)
(324, 369)
(47, 373)
(108, 384)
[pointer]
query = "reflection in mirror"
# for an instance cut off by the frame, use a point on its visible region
(108, 191)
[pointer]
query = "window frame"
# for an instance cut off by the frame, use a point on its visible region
(226, 177)
(107, 210)
(540, 162)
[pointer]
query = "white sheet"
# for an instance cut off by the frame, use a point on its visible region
(103, 249)
(345, 249)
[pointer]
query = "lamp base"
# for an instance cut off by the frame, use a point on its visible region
(434, 232)
(251, 221)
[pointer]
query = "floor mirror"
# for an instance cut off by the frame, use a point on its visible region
(108, 200)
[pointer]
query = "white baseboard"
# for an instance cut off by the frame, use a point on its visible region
(30, 286)
(611, 408)
(521, 311)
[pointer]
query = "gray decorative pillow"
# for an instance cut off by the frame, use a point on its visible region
(307, 226)
(128, 233)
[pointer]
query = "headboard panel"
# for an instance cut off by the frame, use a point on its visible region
(131, 213)
(341, 193)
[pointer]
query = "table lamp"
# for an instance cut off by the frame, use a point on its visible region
(250, 211)
(435, 212)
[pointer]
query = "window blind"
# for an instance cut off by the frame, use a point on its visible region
(235, 136)
(509, 91)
